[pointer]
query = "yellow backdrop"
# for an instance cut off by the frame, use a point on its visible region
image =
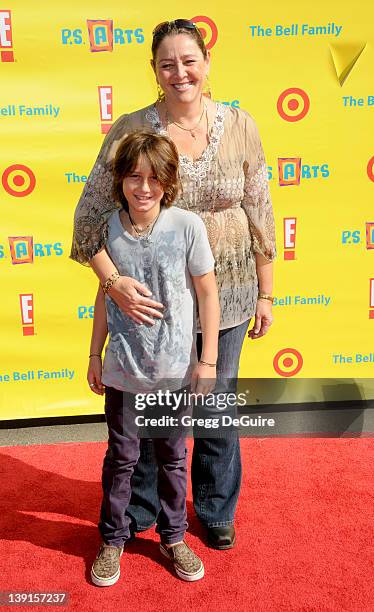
(68, 70)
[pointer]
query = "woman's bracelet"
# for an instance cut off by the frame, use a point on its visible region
(94, 355)
(110, 282)
(211, 365)
(265, 296)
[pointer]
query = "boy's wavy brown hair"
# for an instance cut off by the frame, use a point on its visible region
(162, 155)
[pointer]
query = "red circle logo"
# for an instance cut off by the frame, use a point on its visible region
(288, 362)
(208, 30)
(370, 169)
(18, 180)
(293, 104)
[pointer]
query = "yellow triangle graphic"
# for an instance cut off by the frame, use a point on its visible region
(344, 56)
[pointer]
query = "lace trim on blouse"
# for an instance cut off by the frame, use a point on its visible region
(258, 185)
(257, 204)
(198, 169)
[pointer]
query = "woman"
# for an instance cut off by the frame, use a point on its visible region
(224, 180)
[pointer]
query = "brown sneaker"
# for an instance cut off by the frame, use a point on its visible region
(187, 565)
(106, 567)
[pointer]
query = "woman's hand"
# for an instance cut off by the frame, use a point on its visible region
(263, 319)
(133, 299)
(203, 379)
(94, 375)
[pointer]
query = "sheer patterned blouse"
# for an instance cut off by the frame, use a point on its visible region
(227, 186)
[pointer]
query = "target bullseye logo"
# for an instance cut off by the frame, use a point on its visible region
(18, 180)
(293, 104)
(370, 169)
(208, 30)
(288, 362)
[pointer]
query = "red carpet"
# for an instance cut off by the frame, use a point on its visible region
(304, 525)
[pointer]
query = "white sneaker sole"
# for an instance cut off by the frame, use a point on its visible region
(183, 575)
(102, 582)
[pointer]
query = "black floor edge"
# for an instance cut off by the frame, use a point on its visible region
(45, 421)
(357, 405)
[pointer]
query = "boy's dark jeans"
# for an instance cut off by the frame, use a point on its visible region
(121, 457)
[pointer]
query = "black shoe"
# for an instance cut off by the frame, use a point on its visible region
(221, 538)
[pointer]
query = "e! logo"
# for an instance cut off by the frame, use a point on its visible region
(27, 313)
(6, 41)
(106, 108)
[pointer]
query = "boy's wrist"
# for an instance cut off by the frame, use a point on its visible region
(207, 362)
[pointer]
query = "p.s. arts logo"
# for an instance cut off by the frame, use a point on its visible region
(86, 311)
(6, 37)
(102, 35)
(293, 104)
(18, 180)
(23, 249)
(370, 235)
(208, 29)
(291, 171)
(353, 236)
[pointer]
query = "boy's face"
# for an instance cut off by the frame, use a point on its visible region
(141, 188)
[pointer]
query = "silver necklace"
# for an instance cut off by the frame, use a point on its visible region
(190, 130)
(140, 232)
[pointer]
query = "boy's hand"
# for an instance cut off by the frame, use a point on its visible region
(94, 375)
(203, 379)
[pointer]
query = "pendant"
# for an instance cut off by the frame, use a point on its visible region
(193, 135)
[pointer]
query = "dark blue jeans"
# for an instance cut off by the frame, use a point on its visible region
(170, 486)
(216, 464)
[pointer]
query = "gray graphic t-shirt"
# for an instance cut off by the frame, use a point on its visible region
(145, 358)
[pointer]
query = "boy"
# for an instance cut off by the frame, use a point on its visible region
(167, 250)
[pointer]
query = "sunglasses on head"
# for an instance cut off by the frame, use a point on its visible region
(165, 26)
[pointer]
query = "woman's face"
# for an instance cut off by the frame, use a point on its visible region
(180, 68)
